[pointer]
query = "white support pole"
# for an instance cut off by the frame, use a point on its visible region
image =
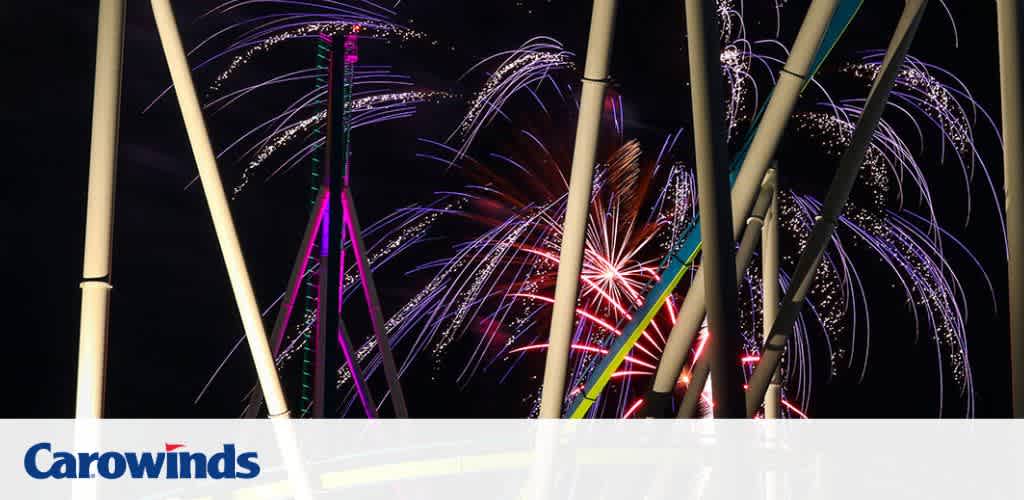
(771, 294)
(838, 194)
(223, 224)
(563, 312)
(1008, 13)
(99, 215)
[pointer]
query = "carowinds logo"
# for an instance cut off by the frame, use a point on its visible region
(41, 462)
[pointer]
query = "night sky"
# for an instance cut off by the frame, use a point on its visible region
(173, 316)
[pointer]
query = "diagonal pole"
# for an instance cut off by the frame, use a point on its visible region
(581, 178)
(670, 371)
(291, 293)
(99, 215)
(823, 25)
(838, 193)
(223, 223)
(713, 190)
(692, 312)
(1008, 13)
(373, 301)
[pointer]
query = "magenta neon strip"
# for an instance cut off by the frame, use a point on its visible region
(293, 291)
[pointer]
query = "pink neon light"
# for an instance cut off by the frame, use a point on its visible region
(306, 252)
(581, 312)
(794, 409)
(636, 406)
(627, 373)
(350, 357)
(700, 347)
(593, 318)
(581, 347)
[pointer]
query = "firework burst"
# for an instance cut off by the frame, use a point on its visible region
(491, 288)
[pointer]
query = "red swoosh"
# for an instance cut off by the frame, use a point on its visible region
(169, 447)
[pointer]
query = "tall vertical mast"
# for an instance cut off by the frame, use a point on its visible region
(563, 312)
(716, 213)
(1008, 13)
(99, 216)
(334, 181)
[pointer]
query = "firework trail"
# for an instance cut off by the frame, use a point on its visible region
(492, 290)
(523, 68)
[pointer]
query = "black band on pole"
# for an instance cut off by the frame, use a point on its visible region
(798, 75)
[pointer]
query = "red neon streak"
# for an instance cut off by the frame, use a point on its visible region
(794, 409)
(700, 347)
(579, 311)
(669, 305)
(581, 347)
(591, 317)
(626, 373)
(633, 408)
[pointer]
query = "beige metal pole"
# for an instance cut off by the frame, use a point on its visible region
(719, 252)
(691, 312)
(669, 369)
(291, 293)
(771, 294)
(391, 374)
(749, 180)
(792, 79)
(99, 215)
(1008, 13)
(563, 312)
(223, 224)
(832, 206)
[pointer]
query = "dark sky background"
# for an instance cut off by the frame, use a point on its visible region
(172, 312)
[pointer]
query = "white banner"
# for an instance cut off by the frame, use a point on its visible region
(512, 459)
